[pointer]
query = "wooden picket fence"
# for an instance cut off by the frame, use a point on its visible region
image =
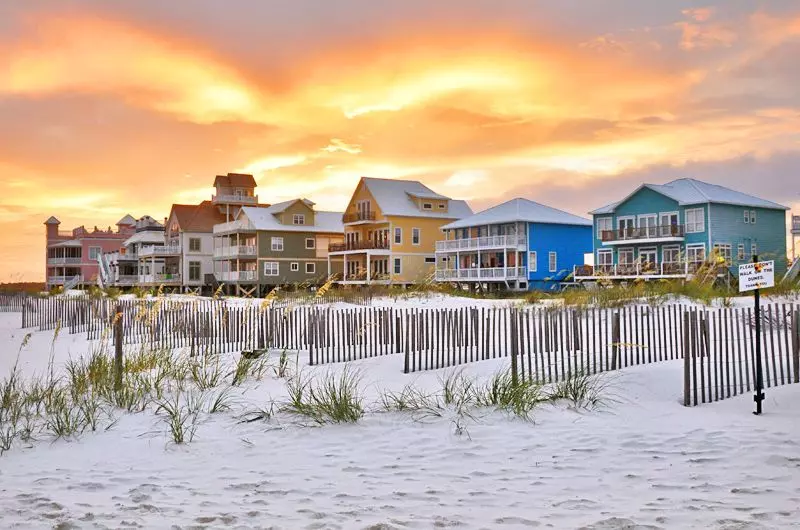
(12, 303)
(721, 346)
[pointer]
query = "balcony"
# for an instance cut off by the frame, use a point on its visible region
(358, 246)
(481, 274)
(644, 234)
(236, 276)
(126, 279)
(482, 243)
(637, 270)
(796, 224)
(238, 251)
(234, 227)
(61, 280)
(148, 251)
(234, 199)
(64, 261)
(160, 279)
(359, 217)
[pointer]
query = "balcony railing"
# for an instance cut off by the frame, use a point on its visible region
(796, 224)
(358, 217)
(644, 232)
(358, 245)
(126, 279)
(235, 251)
(232, 227)
(677, 269)
(478, 243)
(64, 261)
(234, 199)
(159, 250)
(61, 280)
(478, 274)
(236, 276)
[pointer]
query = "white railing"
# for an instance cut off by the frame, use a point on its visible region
(238, 199)
(64, 261)
(240, 225)
(236, 276)
(476, 274)
(232, 252)
(59, 280)
(126, 279)
(478, 243)
(159, 250)
(675, 269)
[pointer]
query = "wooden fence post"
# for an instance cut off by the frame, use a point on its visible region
(615, 340)
(118, 349)
(796, 343)
(686, 361)
(514, 346)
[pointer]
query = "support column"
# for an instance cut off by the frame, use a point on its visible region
(369, 270)
(344, 269)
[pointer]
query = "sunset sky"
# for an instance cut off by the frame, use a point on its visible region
(108, 108)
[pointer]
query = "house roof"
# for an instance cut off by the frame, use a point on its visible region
(394, 197)
(52, 221)
(197, 217)
(264, 219)
(71, 243)
(519, 209)
(128, 220)
(146, 236)
(235, 180)
(283, 206)
(688, 191)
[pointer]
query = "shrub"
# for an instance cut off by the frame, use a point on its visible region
(581, 391)
(330, 399)
(517, 397)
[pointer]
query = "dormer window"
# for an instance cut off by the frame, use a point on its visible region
(427, 206)
(441, 206)
(298, 219)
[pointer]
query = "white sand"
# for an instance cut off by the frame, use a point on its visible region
(646, 460)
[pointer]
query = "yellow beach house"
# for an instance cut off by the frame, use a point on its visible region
(390, 231)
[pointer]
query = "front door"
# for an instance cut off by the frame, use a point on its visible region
(649, 260)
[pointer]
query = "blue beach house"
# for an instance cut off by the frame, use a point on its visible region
(517, 245)
(670, 230)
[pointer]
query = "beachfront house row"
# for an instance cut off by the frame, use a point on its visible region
(282, 244)
(517, 245)
(390, 231)
(71, 257)
(671, 230)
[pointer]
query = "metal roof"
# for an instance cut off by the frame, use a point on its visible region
(688, 191)
(264, 219)
(394, 198)
(519, 209)
(71, 243)
(145, 236)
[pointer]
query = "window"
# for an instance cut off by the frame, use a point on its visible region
(605, 258)
(752, 217)
(671, 255)
(398, 266)
(668, 223)
(194, 244)
(740, 252)
(441, 206)
(430, 260)
(626, 257)
(311, 243)
(533, 264)
(753, 249)
(723, 250)
(747, 217)
(294, 267)
(311, 268)
(94, 253)
(298, 219)
(427, 206)
(194, 271)
(553, 261)
(695, 254)
(604, 224)
(271, 268)
(398, 236)
(415, 236)
(695, 221)
(277, 244)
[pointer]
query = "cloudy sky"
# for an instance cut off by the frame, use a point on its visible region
(108, 108)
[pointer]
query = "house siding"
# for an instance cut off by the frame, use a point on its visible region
(205, 257)
(768, 234)
(570, 242)
(294, 251)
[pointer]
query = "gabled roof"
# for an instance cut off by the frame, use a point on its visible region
(687, 191)
(197, 217)
(52, 221)
(264, 219)
(148, 236)
(283, 206)
(394, 197)
(72, 243)
(128, 220)
(519, 209)
(235, 180)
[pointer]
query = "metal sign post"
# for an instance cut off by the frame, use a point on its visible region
(754, 277)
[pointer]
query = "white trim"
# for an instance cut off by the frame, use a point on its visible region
(670, 247)
(395, 262)
(298, 217)
(269, 265)
(313, 268)
(702, 227)
(610, 219)
(276, 244)
(632, 250)
(313, 243)
(752, 217)
(294, 267)
(625, 218)
(394, 235)
(533, 264)
(419, 236)
(747, 217)
(608, 251)
(552, 261)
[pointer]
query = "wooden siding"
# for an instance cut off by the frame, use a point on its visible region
(727, 226)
